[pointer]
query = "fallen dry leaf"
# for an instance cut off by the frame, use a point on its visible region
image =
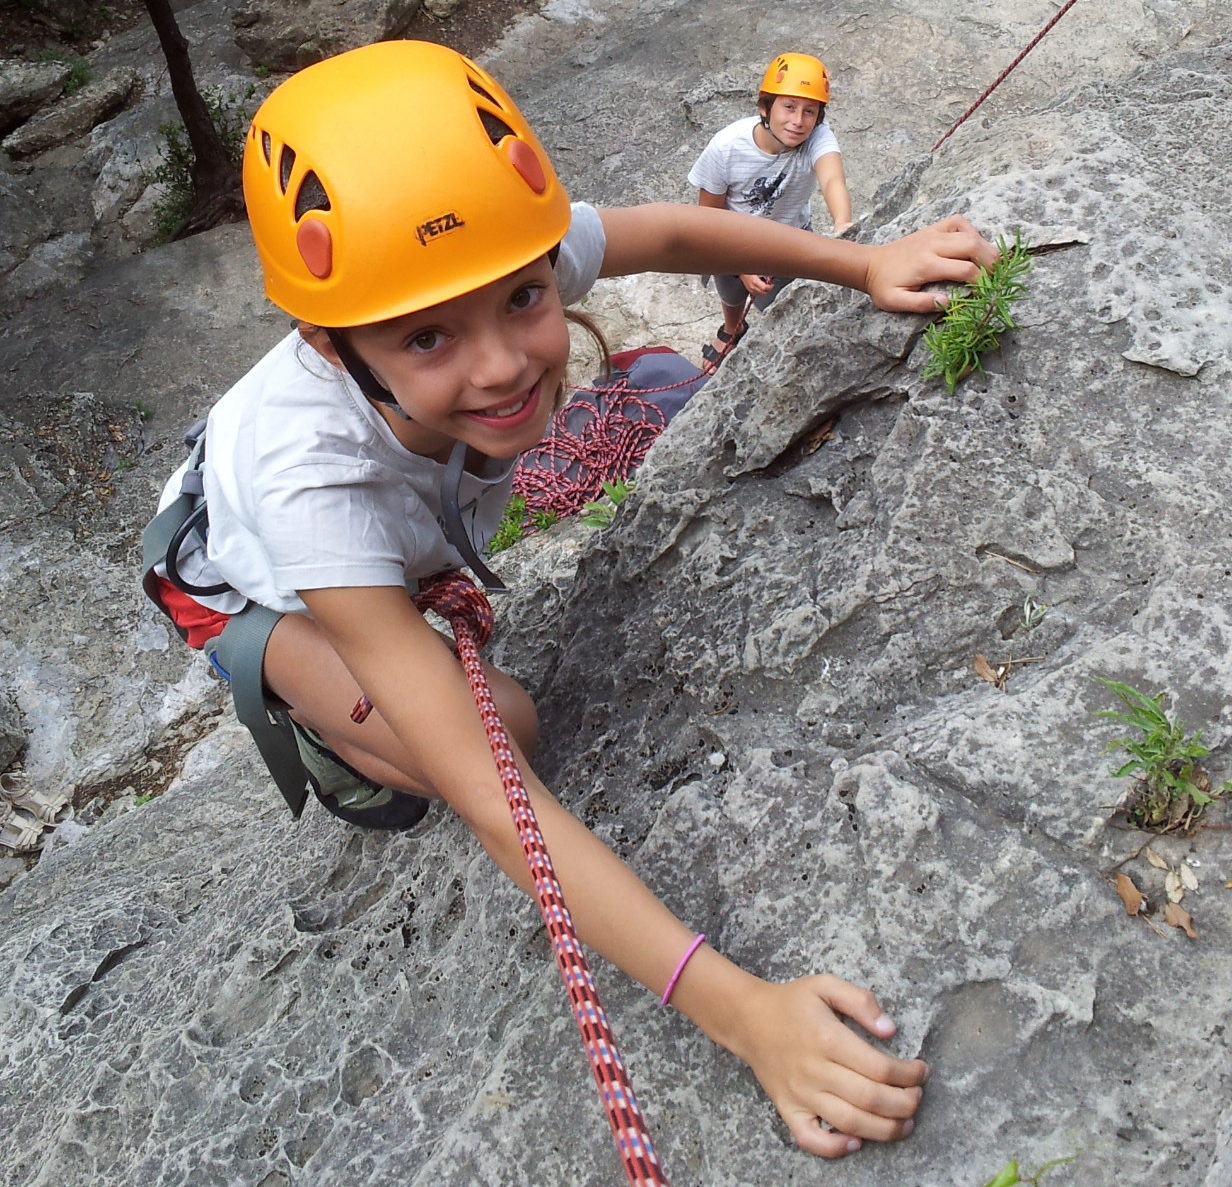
(1129, 894)
(1189, 879)
(1173, 887)
(1179, 917)
(1155, 860)
(819, 436)
(984, 670)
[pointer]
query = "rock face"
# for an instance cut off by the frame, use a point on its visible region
(757, 685)
(280, 36)
(25, 87)
(78, 113)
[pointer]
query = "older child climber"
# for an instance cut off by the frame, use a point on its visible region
(407, 217)
(768, 165)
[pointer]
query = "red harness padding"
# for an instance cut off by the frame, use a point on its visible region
(464, 606)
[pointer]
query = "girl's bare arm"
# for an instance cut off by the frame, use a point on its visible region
(677, 238)
(809, 1062)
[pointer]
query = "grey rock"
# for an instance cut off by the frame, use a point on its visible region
(279, 36)
(78, 113)
(756, 684)
(56, 262)
(25, 87)
(12, 733)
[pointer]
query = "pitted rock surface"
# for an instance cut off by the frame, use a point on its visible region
(757, 685)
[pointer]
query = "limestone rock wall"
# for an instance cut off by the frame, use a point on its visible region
(757, 684)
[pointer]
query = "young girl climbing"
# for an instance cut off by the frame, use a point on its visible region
(407, 217)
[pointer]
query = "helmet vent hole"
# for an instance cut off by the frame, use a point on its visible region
(480, 91)
(267, 147)
(286, 162)
(311, 196)
(496, 128)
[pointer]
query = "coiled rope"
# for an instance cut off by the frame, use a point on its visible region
(607, 441)
(464, 606)
(1004, 74)
(568, 468)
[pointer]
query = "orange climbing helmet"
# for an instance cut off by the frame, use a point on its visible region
(391, 178)
(800, 75)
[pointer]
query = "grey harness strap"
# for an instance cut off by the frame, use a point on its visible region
(161, 530)
(239, 653)
(455, 529)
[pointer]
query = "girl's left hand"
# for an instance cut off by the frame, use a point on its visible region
(949, 251)
(755, 285)
(818, 1072)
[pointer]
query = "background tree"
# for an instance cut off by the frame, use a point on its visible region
(217, 195)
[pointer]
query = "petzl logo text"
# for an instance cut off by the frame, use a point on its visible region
(435, 227)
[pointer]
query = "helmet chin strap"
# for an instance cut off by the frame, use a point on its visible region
(765, 123)
(358, 370)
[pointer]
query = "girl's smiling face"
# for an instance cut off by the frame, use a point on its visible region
(484, 368)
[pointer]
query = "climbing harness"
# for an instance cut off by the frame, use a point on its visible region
(1004, 74)
(456, 599)
(237, 654)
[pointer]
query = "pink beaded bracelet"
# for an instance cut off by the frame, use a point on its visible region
(671, 984)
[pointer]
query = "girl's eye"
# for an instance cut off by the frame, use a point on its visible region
(426, 340)
(527, 296)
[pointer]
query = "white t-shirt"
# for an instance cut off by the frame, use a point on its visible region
(775, 186)
(308, 488)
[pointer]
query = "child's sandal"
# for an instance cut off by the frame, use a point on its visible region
(712, 356)
(44, 806)
(19, 832)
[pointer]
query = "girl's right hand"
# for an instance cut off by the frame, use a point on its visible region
(819, 1073)
(948, 252)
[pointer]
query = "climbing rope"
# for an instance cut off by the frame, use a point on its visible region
(671, 387)
(593, 442)
(456, 599)
(1004, 74)
(568, 468)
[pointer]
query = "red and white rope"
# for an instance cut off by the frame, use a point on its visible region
(464, 606)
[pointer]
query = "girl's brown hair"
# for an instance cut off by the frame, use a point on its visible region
(587, 323)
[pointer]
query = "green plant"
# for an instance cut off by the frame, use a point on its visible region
(1171, 788)
(79, 72)
(143, 410)
(515, 522)
(601, 512)
(976, 317)
(1033, 613)
(1010, 1174)
(141, 800)
(230, 114)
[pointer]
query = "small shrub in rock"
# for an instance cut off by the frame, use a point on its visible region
(1011, 1175)
(601, 512)
(516, 522)
(231, 115)
(79, 69)
(1171, 789)
(977, 316)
